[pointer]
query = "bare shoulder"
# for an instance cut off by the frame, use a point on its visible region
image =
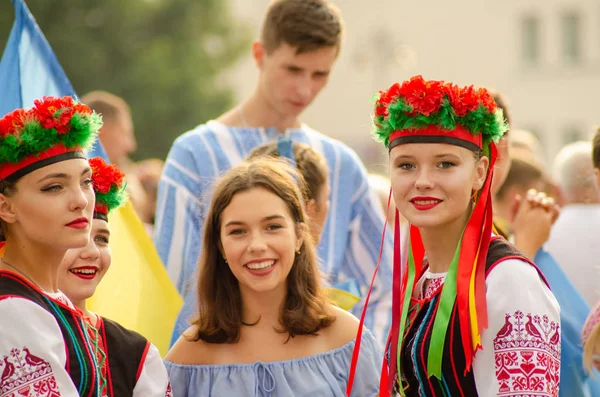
(343, 329)
(187, 351)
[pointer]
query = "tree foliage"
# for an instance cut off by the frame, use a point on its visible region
(164, 57)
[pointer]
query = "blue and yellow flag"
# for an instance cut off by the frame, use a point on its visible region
(137, 291)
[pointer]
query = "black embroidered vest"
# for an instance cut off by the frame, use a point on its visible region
(415, 381)
(80, 365)
(126, 351)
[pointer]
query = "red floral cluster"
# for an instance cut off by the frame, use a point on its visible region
(385, 98)
(57, 112)
(427, 97)
(14, 122)
(104, 176)
(50, 112)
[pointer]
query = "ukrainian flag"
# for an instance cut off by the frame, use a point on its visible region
(137, 291)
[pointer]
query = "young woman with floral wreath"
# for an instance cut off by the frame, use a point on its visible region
(46, 206)
(471, 315)
(130, 365)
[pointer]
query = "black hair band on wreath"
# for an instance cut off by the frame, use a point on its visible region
(101, 215)
(15, 176)
(434, 139)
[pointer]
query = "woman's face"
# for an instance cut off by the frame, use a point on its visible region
(82, 269)
(51, 206)
(259, 240)
(433, 183)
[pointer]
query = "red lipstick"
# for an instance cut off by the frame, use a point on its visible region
(85, 272)
(79, 223)
(425, 203)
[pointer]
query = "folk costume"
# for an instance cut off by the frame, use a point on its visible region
(44, 350)
(489, 325)
(575, 381)
(130, 364)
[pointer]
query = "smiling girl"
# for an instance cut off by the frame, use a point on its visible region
(130, 365)
(46, 206)
(265, 327)
(471, 315)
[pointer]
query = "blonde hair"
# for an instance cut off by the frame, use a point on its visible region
(590, 336)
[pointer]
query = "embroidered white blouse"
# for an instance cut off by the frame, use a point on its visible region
(521, 346)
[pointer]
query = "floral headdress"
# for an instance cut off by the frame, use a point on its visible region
(109, 187)
(55, 129)
(420, 111)
(436, 111)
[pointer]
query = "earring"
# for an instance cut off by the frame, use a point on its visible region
(225, 259)
(298, 252)
(474, 196)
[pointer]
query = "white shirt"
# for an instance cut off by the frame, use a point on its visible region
(575, 244)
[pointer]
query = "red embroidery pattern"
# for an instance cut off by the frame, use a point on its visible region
(433, 285)
(169, 392)
(527, 356)
(23, 374)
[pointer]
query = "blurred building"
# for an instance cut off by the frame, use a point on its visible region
(543, 54)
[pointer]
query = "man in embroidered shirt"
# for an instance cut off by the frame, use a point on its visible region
(299, 43)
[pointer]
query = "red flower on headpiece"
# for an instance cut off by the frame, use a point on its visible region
(79, 107)
(13, 122)
(390, 95)
(380, 109)
(424, 96)
(104, 176)
(385, 98)
(462, 99)
(54, 113)
(487, 100)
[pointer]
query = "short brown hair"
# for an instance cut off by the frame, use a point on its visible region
(109, 106)
(306, 25)
(305, 310)
(596, 148)
(521, 173)
(309, 162)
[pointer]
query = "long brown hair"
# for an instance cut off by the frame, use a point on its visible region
(306, 309)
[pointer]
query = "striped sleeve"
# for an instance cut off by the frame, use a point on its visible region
(362, 254)
(179, 216)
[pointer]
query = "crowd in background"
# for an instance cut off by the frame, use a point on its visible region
(258, 171)
(566, 232)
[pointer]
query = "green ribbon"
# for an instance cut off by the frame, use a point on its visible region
(442, 318)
